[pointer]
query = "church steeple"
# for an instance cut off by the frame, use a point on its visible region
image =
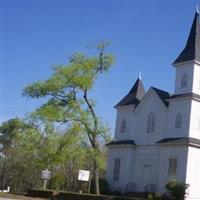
(138, 89)
(192, 48)
(134, 96)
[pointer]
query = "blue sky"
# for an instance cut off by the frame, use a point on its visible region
(145, 36)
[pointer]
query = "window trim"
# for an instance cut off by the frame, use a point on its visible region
(123, 126)
(151, 122)
(172, 166)
(184, 81)
(178, 121)
(116, 169)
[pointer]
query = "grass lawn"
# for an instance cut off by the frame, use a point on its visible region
(16, 196)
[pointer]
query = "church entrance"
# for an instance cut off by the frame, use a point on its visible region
(147, 178)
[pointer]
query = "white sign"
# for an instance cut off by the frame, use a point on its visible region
(46, 174)
(84, 175)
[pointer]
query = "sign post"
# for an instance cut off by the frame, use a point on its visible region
(45, 175)
(45, 184)
(89, 184)
(84, 175)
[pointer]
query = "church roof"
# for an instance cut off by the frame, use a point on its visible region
(192, 95)
(180, 140)
(168, 140)
(192, 48)
(121, 142)
(163, 95)
(134, 96)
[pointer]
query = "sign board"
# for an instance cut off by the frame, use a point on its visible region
(46, 174)
(84, 175)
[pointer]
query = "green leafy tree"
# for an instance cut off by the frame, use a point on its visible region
(28, 147)
(25, 151)
(71, 155)
(69, 103)
(14, 150)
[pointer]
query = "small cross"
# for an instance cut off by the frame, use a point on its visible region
(140, 76)
(197, 8)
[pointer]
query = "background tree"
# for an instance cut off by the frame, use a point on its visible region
(15, 151)
(68, 101)
(28, 147)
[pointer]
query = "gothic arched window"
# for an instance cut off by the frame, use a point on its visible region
(184, 81)
(172, 168)
(151, 123)
(123, 126)
(178, 121)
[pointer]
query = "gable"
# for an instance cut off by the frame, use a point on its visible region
(151, 105)
(159, 97)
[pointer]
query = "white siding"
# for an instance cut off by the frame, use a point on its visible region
(145, 169)
(127, 114)
(193, 73)
(196, 79)
(182, 107)
(180, 71)
(194, 130)
(193, 173)
(126, 155)
(150, 103)
(167, 152)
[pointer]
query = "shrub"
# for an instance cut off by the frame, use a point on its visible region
(175, 191)
(157, 196)
(150, 196)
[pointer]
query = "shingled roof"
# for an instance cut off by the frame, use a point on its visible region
(192, 48)
(191, 95)
(180, 140)
(134, 96)
(163, 95)
(121, 142)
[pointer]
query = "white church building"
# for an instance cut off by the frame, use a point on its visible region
(157, 134)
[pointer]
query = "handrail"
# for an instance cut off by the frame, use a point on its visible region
(129, 187)
(150, 188)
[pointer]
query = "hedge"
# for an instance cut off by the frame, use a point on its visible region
(50, 194)
(77, 196)
(40, 193)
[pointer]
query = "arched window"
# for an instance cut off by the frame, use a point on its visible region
(116, 171)
(172, 168)
(151, 123)
(123, 126)
(184, 81)
(178, 122)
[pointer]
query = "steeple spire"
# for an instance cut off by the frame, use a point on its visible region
(140, 75)
(134, 96)
(192, 48)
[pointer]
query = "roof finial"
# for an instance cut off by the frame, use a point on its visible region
(197, 8)
(140, 76)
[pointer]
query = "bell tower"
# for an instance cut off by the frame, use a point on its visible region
(184, 105)
(187, 63)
